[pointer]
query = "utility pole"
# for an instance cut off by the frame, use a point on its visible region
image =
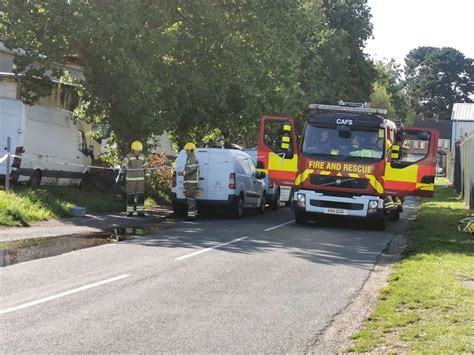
(7, 171)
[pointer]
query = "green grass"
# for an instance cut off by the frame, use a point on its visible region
(425, 307)
(25, 206)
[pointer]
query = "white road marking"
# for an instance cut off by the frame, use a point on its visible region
(280, 225)
(62, 294)
(208, 249)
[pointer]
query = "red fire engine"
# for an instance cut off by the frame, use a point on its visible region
(351, 162)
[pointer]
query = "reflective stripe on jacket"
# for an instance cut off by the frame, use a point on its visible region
(135, 165)
(191, 170)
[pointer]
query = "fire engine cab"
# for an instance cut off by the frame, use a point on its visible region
(351, 161)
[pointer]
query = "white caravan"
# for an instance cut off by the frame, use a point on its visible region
(51, 147)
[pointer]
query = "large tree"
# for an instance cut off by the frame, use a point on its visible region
(335, 67)
(119, 44)
(436, 78)
(389, 79)
(194, 67)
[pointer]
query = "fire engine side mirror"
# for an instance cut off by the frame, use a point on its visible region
(289, 154)
(260, 164)
(401, 135)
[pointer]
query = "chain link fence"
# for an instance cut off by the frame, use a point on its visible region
(460, 169)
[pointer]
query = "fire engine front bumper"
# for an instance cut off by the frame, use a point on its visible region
(357, 206)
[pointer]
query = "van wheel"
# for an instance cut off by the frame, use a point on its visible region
(35, 179)
(238, 208)
(276, 201)
(263, 205)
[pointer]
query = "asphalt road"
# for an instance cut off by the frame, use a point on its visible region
(216, 285)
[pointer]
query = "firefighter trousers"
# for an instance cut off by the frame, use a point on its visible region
(190, 193)
(135, 196)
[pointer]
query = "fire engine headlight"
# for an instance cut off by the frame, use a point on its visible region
(301, 200)
(373, 204)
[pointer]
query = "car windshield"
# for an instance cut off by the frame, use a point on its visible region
(331, 142)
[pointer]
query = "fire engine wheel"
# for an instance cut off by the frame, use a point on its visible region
(276, 201)
(380, 224)
(395, 216)
(290, 199)
(300, 217)
(35, 179)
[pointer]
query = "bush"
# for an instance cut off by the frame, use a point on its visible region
(158, 186)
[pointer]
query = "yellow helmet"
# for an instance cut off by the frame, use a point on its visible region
(190, 146)
(137, 146)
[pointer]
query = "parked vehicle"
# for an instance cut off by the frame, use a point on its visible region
(49, 145)
(228, 179)
(351, 162)
(272, 189)
(286, 195)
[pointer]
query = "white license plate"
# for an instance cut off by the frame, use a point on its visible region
(337, 211)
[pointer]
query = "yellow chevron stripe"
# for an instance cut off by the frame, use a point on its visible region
(375, 184)
(303, 177)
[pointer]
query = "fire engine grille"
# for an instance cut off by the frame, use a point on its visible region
(333, 204)
(339, 181)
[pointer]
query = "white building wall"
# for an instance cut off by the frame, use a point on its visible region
(7, 89)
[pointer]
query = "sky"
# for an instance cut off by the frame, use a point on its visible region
(402, 25)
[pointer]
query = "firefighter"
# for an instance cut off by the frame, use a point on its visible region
(135, 165)
(191, 180)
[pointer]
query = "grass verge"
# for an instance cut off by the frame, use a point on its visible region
(426, 307)
(25, 206)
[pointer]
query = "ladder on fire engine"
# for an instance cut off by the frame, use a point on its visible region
(352, 107)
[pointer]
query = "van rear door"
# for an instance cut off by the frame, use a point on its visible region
(278, 149)
(414, 174)
(10, 126)
(221, 165)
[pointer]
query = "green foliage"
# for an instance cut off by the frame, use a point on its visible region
(158, 186)
(437, 78)
(380, 98)
(193, 67)
(389, 77)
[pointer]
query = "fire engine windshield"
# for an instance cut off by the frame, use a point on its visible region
(331, 142)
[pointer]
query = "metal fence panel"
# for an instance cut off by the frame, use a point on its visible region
(460, 169)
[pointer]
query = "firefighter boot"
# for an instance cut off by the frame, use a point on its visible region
(130, 204)
(140, 204)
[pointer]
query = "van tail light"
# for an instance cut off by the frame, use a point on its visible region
(271, 185)
(232, 181)
(16, 160)
(173, 181)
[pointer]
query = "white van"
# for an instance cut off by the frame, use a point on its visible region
(51, 147)
(228, 178)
